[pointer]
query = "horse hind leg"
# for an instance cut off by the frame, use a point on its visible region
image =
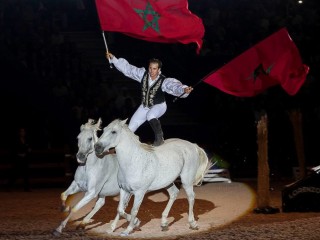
(191, 196)
(173, 193)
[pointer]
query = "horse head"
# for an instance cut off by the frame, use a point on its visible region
(110, 136)
(86, 139)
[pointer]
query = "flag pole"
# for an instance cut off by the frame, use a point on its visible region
(176, 98)
(105, 43)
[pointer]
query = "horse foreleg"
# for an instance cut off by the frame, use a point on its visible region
(58, 230)
(99, 204)
(138, 197)
(72, 189)
(173, 193)
(123, 202)
(87, 198)
(126, 215)
(191, 196)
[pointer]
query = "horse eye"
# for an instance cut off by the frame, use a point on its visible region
(90, 139)
(113, 132)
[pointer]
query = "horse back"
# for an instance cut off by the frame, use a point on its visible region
(195, 159)
(178, 157)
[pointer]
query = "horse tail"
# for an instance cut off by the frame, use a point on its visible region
(204, 166)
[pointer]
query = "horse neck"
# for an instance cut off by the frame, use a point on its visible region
(91, 159)
(128, 152)
(95, 136)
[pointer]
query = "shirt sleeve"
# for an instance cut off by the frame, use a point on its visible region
(174, 87)
(127, 69)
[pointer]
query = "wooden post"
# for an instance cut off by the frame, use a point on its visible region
(296, 120)
(263, 185)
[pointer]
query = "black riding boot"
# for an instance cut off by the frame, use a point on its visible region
(156, 127)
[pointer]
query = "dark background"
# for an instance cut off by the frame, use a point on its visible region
(46, 77)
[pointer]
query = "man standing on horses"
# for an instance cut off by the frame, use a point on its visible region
(153, 88)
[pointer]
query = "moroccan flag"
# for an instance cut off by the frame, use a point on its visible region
(273, 61)
(165, 21)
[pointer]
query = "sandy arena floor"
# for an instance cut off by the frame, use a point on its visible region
(223, 211)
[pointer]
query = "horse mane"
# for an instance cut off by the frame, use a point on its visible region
(136, 139)
(92, 124)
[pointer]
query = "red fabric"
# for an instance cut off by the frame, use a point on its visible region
(171, 21)
(278, 53)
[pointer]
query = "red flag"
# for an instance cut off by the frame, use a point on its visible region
(275, 60)
(166, 21)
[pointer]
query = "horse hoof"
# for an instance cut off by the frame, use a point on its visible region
(137, 223)
(112, 228)
(124, 234)
(194, 227)
(81, 226)
(164, 228)
(65, 209)
(56, 233)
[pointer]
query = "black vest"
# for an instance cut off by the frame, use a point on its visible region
(154, 94)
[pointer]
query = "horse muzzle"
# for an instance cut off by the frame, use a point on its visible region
(98, 148)
(81, 158)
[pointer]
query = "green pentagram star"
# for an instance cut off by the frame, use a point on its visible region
(259, 70)
(143, 13)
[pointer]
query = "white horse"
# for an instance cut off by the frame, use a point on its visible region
(94, 176)
(144, 168)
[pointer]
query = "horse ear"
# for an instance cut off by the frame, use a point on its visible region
(124, 121)
(99, 123)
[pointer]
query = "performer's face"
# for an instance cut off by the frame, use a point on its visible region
(154, 70)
